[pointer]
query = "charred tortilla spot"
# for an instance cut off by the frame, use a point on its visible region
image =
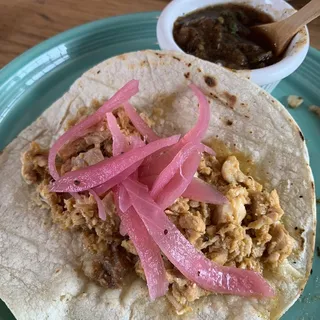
(246, 116)
(300, 196)
(187, 75)
(98, 71)
(144, 62)
(76, 182)
(199, 70)
(189, 65)
(229, 123)
(298, 237)
(165, 231)
(232, 99)
(174, 57)
(211, 82)
(301, 135)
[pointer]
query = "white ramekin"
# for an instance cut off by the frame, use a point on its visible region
(268, 77)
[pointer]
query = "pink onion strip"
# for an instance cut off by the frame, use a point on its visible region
(134, 142)
(121, 96)
(173, 167)
(158, 161)
(209, 150)
(101, 207)
(199, 190)
(186, 258)
(149, 253)
(124, 200)
(119, 142)
(139, 123)
(180, 181)
(106, 186)
(197, 133)
(90, 177)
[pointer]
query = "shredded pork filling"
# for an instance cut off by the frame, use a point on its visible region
(246, 232)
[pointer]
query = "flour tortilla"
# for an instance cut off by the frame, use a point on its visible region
(39, 262)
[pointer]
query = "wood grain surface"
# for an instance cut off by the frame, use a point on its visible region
(25, 23)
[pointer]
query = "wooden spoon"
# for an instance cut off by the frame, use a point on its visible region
(279, 34)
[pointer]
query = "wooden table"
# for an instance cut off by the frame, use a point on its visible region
(25, 23)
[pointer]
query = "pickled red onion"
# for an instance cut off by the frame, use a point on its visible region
(139, 123)
(148, 251)
(119, 142)
(209, 150)
(158, 161)
(197, 133)
(121, 96)
(133, 142)
(199, 190)
(90, 177)
(124, 200)
(101, 207)
(186, 258)
(180, 181)
(173, 167)
(106, 186)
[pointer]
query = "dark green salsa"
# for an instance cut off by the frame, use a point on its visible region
(221, 34)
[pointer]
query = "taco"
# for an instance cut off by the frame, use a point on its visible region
(159, 185)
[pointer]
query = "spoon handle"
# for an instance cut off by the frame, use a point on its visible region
(309, 12)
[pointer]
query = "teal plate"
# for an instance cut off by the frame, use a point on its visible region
(33, 81)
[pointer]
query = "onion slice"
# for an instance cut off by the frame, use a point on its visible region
(101, 207)
(139, 123)
(209, 150)
(90, 177)
(155, 163)
(173, 167)
(121, 96)
(148, 251)
(120, 145)
(197, 133)
(180, 181)
(199, 190)
(124, 200)
(119, 142)
(104, 187)
(184, 256)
